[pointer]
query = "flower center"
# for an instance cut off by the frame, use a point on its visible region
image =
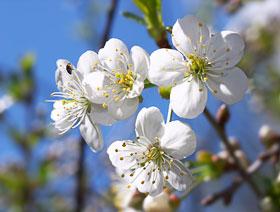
(154, 154)
(197, 66)
(125, 81)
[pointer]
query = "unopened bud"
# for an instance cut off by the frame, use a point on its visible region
(158, 203)
(174, 201)
(268, 136)
(204, 156)
(267, 205)
(164, 92)
(223, 115)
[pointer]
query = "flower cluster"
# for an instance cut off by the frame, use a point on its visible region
(106, 87)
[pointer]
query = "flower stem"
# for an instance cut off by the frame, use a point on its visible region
(221, 132)
(169, 115)
(196, 183)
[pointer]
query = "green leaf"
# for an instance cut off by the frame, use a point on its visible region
(147, 84)
(134, 17)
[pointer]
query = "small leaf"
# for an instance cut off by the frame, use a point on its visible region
(147, 84)
(134, 17)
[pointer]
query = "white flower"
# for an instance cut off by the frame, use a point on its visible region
(202, 58)
(153, 161)
(6, 101)
(158, 203)
(73, 108)
(117, 78)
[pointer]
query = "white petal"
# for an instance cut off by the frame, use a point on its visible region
(178, 140)
(167, 67)
(179, 177)
(187, 99)
(120, 154)
(150, 123)
(92, 134)
(100, 115)
(186, 34)
(229, 88)
(158, 203)
(152, 182)
(87, 63)
(114, 55)
(225, 50)
(140, 61)
(123, 109)
(61, 74)
(94, 84)
(59, 115)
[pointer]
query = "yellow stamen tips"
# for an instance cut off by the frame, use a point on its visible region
(129, 72)
(51, 95)
(116, 50)
(118, 75)
(172, 35)
(116, 150)
(60, 77)
(171, 161)
(131, 82)
(131, 175)
(173, 58)
(93, 67)
(124, 144)
(166, 177)
(202, 36)
(153, 182)
(110, 60)
(163, 69)
(226, 63)
(166, 50)
(121, 53)
(189, 37)
(177, 44)
(175, 83)
(106, 96)
(128, 186)
(215, 91)
(98, 88)
(114, 91)
(117, 99)
(205, 78)
(137, 137)
(104, 105)
(164, 187)
(130, 65)
(156, 138)
(128, 89)
(51, 124)
(95, 63)
(222, 73)
(200, 25)
(56, 84)
(113, 71)
(71, 128)
(131, 154)
(212, 35)
(121, 158)
(66, 121)
(122, 175)
(106, 86)
(168, 168)
(203, 45)
(59, 133)
(198, 41)
(142, 182)
(228, 49)
(124, 89)
(175, 69)
(214, 50)
(147, 193)
(181, 173)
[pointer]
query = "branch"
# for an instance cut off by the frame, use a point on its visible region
(221, 132)
(80, 190)
(228, 192)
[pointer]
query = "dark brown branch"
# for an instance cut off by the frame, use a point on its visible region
(227, 193)
(222, 134)
(81, 190)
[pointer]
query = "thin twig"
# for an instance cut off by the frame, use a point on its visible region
(228, 192)
(221, 132)
(80, 190)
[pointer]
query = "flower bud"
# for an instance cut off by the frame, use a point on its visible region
(268, 136)
(158, 203)
(174, 201)
(204, 156)
(223, 115)
(164, 92)
(267, 205)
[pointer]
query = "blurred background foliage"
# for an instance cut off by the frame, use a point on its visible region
(39, 170)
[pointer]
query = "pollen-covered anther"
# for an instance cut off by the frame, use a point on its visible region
(124, 144)
(122, 175)
(215, 91)
(116, 150)
(104, 105)
(153, 182)
(121, 158)
(142, 182)
(128, 186)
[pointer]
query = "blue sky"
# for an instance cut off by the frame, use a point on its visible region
(49, 29)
